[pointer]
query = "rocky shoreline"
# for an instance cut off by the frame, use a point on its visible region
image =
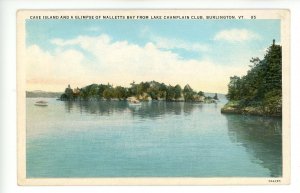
(233, 108)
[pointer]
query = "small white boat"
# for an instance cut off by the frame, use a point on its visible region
(41, 103)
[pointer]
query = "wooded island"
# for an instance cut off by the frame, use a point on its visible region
(144, 91)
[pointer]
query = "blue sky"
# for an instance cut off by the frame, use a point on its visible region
(183, 47)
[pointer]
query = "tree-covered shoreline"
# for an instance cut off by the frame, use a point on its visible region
(143, 91)
(260, 91)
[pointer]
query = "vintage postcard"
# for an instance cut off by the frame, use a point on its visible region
(153, 97)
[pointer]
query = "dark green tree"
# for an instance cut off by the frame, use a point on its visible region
(120, 92)
(108, 93)
(201, 93)
(68, 95)
(170, 94)
(216, 97)
(177, 90)
(262, 84)
(188, 93)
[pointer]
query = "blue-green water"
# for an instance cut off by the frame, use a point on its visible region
(156, 139)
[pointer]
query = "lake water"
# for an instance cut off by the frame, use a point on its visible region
(156, 139)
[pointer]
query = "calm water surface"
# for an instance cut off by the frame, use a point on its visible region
(156, 139)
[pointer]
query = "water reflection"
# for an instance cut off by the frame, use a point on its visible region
(100, 139)
(261, 137)
(150, 110)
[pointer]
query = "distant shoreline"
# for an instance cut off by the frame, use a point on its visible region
(42, 94)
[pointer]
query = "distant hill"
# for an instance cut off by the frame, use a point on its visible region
(42, 94)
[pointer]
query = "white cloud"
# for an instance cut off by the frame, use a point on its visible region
(49, 70)
(236, 35)
(172, 43)
(120, 62)
(162, 42)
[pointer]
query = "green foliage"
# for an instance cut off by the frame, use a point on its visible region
(216, 97)
(272, 102)
(68, 94)
(201, 93)
(153, 92)
(108, 93)
(101, 89)
(188, 93)
(177, 91)
(170, 93)
(133, 89)
(263, 83)
(120, 92)
(143, 90)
